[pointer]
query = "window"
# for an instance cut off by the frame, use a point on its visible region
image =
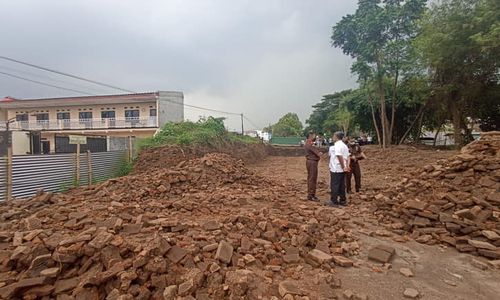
(42, 117)
(22, 117)
(108, 114)
(85, 118)
(132, 116)
(108, 117)
(63, 116)
(85, 115)
(132, 113)
(152, 112)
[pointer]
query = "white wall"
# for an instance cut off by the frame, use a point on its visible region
(20, 143)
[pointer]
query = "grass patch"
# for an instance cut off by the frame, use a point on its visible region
(124, 168)
(245, 139)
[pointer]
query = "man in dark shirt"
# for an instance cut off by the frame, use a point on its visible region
(356, 154)
(312, 159)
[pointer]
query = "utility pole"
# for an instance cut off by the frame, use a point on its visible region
(242, 129)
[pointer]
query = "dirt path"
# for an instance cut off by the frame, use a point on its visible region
(439, 272)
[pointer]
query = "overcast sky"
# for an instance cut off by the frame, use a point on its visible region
(260, 57)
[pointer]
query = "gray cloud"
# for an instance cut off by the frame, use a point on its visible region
(262, 58)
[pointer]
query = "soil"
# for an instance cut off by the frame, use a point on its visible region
(212, 226)
(170, 156)
(440, 272)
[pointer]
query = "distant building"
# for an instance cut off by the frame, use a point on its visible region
(265, 136)
(44, 125)
(252, 133)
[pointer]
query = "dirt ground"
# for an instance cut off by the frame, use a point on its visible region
(439, 272)
(224, 227)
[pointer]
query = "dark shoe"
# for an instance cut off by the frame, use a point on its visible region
(343, 203)
(313, 198)
(333, 204)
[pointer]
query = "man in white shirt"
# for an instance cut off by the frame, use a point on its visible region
(339, 164)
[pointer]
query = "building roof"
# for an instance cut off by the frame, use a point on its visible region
(10, 102)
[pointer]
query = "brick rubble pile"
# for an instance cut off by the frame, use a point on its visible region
(454, 201)
(205, 229)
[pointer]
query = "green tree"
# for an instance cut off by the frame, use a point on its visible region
(352, 111)
(288, 125)
(378, 36)
(343, 119)
(460, 45)
(317, 121)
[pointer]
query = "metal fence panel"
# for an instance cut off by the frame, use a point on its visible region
(105, 165)
(49, 172)
(56, 173)
(291, 140)
(3, 178)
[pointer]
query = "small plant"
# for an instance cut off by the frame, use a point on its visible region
(65, 187)
(124, 168)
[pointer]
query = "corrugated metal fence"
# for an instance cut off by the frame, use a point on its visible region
(3, 177)
(56, 172)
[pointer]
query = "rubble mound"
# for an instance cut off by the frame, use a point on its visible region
(454, 201)
(206, 174)
(206, 228)
(170, 155)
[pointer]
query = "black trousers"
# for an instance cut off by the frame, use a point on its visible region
(337, 186)
(356, 171)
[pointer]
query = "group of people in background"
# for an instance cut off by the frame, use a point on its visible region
(344, 156)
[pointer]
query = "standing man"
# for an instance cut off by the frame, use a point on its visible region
(312, 159)
(339, 165)
(357, 154)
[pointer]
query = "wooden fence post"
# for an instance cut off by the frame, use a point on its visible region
(9, 168)
(89, 166)
(78, 164)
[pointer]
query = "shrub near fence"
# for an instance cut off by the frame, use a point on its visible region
(57, 172)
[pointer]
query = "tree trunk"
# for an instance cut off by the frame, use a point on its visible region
(370, 100)
(383, 112)
(420, 112)
(436, 135)
(419, 132)
(457, 122)
(381, 96)
(393, 106)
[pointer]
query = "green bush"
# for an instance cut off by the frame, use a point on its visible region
(206, 132)
(124, 168)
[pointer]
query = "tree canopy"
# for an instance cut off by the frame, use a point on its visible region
(288, 125)
(378, 36)
(418, 67)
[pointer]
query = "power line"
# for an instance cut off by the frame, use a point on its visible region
(65, 74)
(46, 78)
(203, 108)
(252, 123)
(95, 82)
(208, 109)
(46, 84)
